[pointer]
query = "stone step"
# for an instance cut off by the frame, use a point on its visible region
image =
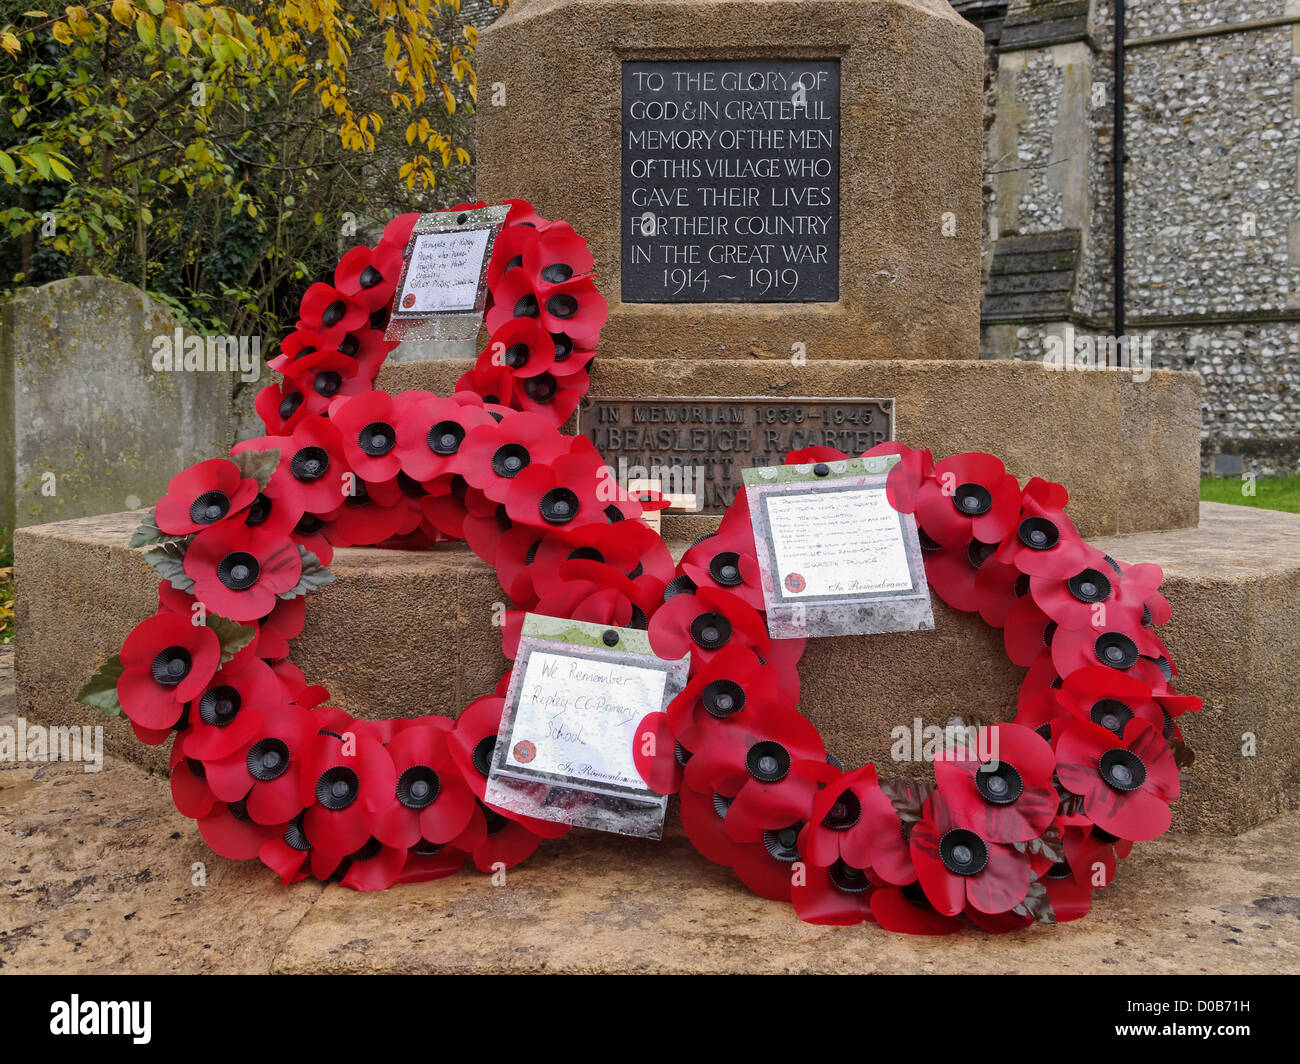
(1128, 449)
(404, 634)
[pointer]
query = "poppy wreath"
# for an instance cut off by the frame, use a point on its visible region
(270, 771)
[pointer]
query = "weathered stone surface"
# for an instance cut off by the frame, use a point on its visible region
(910, 154)
(100, 879)
(1126, 450)
(403, 634)
(79, 398)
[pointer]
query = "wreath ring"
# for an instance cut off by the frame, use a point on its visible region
(270, 771)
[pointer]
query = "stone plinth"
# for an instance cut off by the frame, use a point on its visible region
(404, 634)
(910, 162)
(1126, 449)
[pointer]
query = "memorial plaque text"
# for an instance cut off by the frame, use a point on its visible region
(699, 445)
(731, 181)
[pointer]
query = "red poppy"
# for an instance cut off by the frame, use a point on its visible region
(1044, 543)
(907, 476)
(426, 862)
(506, 843)
(571, 359)
(997, 588)
(838, 895)
(264, 770)
(283, 624)
(552, 395)
(522, 346)
(232, 833)
(956, 864)
(432, 801)
(288, 855)
(768, 867)
(703, 623)
(656, 753)
(189, 785)
(449, 501)
(493, 455)
(166, 661)
(1069, 896)
(344, 780)
(281, 407)
(851, 821)
(907, 911)
(367, 430)
(1126, 781)
(1026, 630)
(495, 384)
(570, 491)
(300, 343)
(310, 475)
(702, 818)
(808, 455)
(471, 743)
(330, 314)
(1094, 596)
(202, 495)
(238, 571)
(1109, 698)
(372, 866)
(229, 712)
(370, 514)
(573, 307)
(1117, 648)
(730, 682)
(1002, 789)
(556, 256)
(631, 548)
(727, 559)
(326, 376)
(369, 275)
(769, 762)
(951, 571)
(397, 233)
(968, 496)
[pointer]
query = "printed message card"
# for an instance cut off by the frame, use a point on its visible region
(835, 557)
(564, 749)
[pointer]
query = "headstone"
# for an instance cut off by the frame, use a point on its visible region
(756, 179)
(90, 425)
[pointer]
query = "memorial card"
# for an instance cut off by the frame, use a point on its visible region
(834, 556)
(442, 291)
(564, 749)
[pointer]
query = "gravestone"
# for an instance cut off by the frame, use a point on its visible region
(89, 425)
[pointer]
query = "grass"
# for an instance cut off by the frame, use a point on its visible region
(6, 586)
(1271, 493)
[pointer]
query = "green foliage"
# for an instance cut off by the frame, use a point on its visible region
(1271, 493)
(101, 690)
(223, 159)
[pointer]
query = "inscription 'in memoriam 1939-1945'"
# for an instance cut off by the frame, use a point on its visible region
(731, 181)
(698, 445)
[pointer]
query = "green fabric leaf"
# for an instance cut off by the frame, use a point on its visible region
(314, 575)
(1037, 904)
(233, 635)
(148, 534)
(101, 691)
(258, 465)
(169, 560)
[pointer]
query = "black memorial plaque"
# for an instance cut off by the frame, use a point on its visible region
(731, 181)
(699, 444)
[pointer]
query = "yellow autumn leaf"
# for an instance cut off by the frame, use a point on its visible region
(124, 11)
(61, 33)
(9, 42)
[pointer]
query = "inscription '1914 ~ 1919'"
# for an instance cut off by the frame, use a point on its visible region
(731, 181)
(699, 445)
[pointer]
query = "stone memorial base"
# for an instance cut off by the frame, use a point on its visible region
(1126, 449)
(410, 633)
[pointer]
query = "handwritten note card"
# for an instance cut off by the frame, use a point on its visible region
(578, 698)
(843, 542)
(444, 271)
(834, 556)
(576, 717)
